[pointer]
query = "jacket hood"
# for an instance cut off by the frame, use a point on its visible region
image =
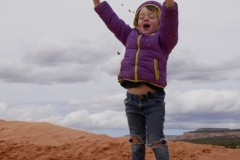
(147, 3)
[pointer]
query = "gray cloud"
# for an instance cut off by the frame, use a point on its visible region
(26, 112)
(29, 73)
(99, 103)
(51, 62)
(189, 110)
(79, 51)
(112, 66)
(185, 66)
(206, 108)
(83, 119)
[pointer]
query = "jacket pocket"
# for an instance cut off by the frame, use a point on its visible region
(156, 70)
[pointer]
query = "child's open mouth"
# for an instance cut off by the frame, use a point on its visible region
(146, 26)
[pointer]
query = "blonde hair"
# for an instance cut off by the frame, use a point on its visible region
(150, 7)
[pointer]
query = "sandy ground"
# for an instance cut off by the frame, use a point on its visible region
(44, 141)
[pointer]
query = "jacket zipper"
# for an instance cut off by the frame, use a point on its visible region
(136, 59)
(156, 69)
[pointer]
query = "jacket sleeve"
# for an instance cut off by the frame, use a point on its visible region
(113, 22)
(169, 27)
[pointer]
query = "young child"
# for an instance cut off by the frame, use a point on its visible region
(143, 70)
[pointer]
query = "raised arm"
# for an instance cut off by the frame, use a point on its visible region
(169, 25)
(112, 21)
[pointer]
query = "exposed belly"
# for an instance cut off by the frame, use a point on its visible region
(143, 89)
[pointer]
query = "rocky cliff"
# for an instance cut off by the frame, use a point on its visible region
(210, 132)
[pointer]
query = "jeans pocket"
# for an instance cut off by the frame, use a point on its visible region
(157, 101)
(126, 101)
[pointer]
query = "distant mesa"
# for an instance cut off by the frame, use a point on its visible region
(209, 132)
(214, 130)
(205, 133)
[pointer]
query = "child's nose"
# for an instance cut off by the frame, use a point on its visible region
(146, 19)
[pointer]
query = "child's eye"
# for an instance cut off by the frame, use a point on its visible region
(151, 17)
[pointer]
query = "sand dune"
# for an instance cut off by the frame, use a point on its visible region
(31, 140)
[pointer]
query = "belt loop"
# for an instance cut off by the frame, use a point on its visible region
(149, 94)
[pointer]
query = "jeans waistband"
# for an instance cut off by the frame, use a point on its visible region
(145, 96)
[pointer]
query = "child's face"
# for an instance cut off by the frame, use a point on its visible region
(148, 21)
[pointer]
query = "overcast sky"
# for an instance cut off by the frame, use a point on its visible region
(59, 64)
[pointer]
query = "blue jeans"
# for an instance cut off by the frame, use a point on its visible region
(146, 116)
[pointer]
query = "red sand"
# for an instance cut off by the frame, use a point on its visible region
(44, 141)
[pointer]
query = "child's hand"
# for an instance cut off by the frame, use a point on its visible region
(169, 3)
(96, 2)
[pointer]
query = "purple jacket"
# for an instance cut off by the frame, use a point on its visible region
(146, 56)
